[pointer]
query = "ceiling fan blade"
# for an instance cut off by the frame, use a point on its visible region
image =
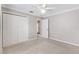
(50, 8)
(37, 7)
(47, 8)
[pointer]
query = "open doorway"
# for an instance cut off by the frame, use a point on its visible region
(44, 28)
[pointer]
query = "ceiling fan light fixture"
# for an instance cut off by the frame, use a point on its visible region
(44, 5)
(43, 11)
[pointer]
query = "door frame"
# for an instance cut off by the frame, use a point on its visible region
(41, 25)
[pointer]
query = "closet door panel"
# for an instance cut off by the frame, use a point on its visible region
(15, 29)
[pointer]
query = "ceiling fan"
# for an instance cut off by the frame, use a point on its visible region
(43, 8)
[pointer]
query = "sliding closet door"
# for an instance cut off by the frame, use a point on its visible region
(15, 29)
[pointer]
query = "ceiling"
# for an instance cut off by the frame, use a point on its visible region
(25, 8)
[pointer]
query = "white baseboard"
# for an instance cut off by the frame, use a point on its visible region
(56, 39)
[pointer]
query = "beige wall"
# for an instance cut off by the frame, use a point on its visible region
(65, 27)
(0, 30)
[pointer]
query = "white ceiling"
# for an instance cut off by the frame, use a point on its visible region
(25, 8)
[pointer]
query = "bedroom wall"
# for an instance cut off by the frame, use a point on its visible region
(65, 27)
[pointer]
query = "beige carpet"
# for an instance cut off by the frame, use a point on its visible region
(41, 46)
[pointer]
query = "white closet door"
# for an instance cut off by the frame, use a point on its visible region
(15, 29)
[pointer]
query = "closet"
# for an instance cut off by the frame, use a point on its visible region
(15, 29)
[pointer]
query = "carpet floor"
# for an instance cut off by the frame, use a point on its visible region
(41, 46)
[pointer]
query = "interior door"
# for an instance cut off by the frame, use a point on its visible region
(44, 28)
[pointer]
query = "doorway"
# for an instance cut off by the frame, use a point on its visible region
(44, 28)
